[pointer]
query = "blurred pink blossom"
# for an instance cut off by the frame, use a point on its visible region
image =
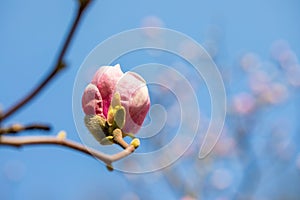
(282, 53)
(152, 21)
(273, 93)
(250, 62)
(243, 103)
(188, 197)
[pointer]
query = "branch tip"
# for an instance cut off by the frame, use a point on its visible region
(50, 140)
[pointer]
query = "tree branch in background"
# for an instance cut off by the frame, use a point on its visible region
(16, 128)
(62, 141)
(59, 65)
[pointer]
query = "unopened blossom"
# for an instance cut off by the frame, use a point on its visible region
(115, 99)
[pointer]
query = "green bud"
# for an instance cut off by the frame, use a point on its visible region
(135, 142)
(110, 116)
(119, 116)
(96, 125)
(116, 101)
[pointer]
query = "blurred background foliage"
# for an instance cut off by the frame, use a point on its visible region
(254, 43)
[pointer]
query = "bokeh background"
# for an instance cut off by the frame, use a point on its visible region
(254, 43)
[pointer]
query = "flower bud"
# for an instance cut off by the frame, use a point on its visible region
(120, 98)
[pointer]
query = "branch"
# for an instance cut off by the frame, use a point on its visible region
(51, 140)
(16, 128)
(59, 65)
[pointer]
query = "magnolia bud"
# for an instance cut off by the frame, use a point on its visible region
(122, 99)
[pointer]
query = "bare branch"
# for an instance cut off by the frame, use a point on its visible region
(16, 128)
(60, 138)
(59, 65)
(51, 140)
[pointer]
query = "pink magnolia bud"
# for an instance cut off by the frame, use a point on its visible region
(133, 91)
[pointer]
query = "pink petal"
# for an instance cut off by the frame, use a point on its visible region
(106, 79)
(135, 99)
(92, 101)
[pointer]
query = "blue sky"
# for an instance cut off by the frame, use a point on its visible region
(31, 32)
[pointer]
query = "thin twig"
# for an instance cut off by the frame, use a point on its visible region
(42, 140)
(59, 65)
(16, 128)
(118, 139)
